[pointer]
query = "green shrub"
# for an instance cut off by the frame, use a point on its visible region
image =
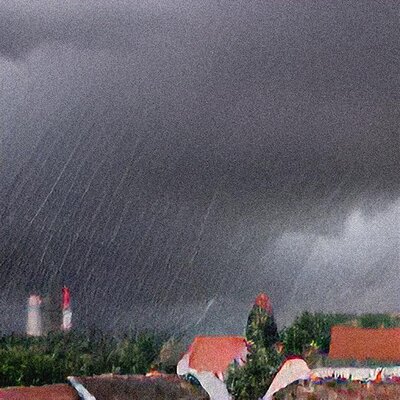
(311, 329)
(378, 321)
(45, 360)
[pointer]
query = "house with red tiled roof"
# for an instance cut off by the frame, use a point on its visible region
(215, 353)
(208, 359)
(48, 392)
(353, 343)
(110, 386)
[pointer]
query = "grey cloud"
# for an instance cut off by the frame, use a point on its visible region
(360, 264)
(155, 154)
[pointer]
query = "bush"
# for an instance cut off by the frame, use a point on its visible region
(311, 330)
(45, 360)
(378, 321)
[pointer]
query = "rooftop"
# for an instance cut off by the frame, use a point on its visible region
(139, 387)
(352, 343)
(48, 392)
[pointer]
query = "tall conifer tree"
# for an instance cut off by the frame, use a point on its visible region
(252, 380)
(261, 328)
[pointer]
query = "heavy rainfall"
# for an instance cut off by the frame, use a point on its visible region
(167, 160)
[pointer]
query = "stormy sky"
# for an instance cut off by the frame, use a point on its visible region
(167, 160)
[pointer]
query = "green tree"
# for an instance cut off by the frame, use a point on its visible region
(379, 320)
(311, 329)
(261, 327)
(251, 381)
(170, 354)
(50, 359)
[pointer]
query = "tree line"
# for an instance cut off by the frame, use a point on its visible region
(308, 336)
(50, 359)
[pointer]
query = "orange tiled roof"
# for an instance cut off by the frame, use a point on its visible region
(215, 353)
(352, 343)
(48, 392)
(135, 387)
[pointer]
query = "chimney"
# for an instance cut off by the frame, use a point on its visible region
(34, 324)
(66, 310)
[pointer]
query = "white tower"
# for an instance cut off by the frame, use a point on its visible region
(34, 324)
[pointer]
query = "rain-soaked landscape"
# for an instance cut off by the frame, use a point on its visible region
(169, 160)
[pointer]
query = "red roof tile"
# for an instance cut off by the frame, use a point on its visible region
(140, 387)
(49, 392)
(351, 343)
(215, 353)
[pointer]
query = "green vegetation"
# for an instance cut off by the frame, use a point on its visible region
(308, 336)
(50, 359)
(313, 330)
(379, 320)
(37, 361)
(261, 328)
(252, 380)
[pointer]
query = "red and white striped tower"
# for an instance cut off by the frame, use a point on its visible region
(66, 310)
(34, 326)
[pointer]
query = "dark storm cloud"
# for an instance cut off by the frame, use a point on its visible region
(164, 154)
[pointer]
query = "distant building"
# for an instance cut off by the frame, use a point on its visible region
(208, 359)
(51, 313)
(353, 343)
(214, 354)
(58, 391)
(127, 387)
(34, 325)
(66, 310)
